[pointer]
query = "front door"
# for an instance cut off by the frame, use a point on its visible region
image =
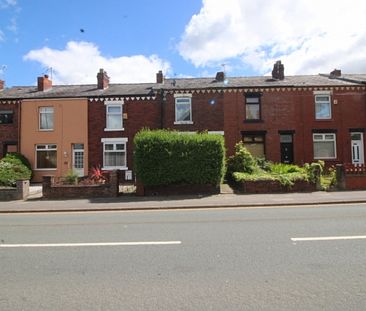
(287, 148)
(357, 149)
(78, 159)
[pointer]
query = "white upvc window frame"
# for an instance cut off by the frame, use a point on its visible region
(113, 104)
(188, 98)
(48, 147)
(325, 137)
(46, 110)
(318, 95)
(115, 142)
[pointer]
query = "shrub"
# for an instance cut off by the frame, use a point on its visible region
(163, 157)
(71, 177)
(241, 161)
(13, 169)
(18, 156)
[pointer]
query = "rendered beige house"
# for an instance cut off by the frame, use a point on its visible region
(54, 133)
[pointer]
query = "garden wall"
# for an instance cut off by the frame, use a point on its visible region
(351, 177)
(273, 186)
(55, 191)
(177, 190)
(21, 191)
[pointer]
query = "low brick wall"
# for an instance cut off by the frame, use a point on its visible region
(56, 192)
(273, 186)
(21, 192)
(177, 190)
(351, 177)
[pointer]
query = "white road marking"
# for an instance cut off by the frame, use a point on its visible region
(330, 238)
(91, 244)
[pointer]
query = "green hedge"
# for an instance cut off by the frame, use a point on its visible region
(163, 157)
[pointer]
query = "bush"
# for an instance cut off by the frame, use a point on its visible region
(15, 155)
(164, 157)
(71, 177)
(13, 169)
(241, 161)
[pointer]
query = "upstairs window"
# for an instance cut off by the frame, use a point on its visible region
(323, 109)
(252, 107)
(46, 118)
(114, 116)
(183, 110)
(6, 117)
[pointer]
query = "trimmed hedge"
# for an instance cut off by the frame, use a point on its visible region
(163, 157)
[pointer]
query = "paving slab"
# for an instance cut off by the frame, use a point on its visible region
(130, 202)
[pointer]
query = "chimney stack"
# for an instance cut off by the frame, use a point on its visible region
(103, 79)
(336, 73)
(278, 71)
(2, 84)
(160, 77)
(220, 76)
(43, 83)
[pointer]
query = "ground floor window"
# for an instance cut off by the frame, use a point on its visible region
(324, 146)
(114, 153)
(255, 143)
(46, 156)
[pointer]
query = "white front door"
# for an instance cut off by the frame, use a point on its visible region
(357, 148)
(78, 159)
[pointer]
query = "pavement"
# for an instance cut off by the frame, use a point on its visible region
(126, 202)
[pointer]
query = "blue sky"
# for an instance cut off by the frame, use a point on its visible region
(132, 40)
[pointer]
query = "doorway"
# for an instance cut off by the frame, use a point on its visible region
(357, 149)
(78, 159)
(287, 148)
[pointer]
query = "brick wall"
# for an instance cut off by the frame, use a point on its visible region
(61, 192)
(207, 112)
(275, 187)
(9, 132)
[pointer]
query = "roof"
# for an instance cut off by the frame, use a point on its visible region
(149, 89)
(250, 82)
(77, 91)
(359, 78)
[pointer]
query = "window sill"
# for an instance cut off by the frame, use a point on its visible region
(45, 169)
(253, 121)
(113, 130)
(323, 119)
(111, 168)
(46, 130)
(327, 159)
(182, 122)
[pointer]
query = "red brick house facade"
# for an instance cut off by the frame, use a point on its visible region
(295, 119)
(9, 124)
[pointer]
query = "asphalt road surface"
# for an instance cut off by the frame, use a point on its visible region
(218, 259)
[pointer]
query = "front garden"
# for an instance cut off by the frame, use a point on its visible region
(255, 175)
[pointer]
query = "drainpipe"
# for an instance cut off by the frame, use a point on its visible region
(162, 108)
(20, 102)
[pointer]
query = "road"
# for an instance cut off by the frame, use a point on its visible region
(217, 259)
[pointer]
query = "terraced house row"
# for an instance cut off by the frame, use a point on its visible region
(291, 119)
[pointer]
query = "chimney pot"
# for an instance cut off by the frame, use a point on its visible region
(160, 77)
(43, 83)
(335, 73)
(103, 79)
(278, 71)
(2, 84)
(220, 76)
